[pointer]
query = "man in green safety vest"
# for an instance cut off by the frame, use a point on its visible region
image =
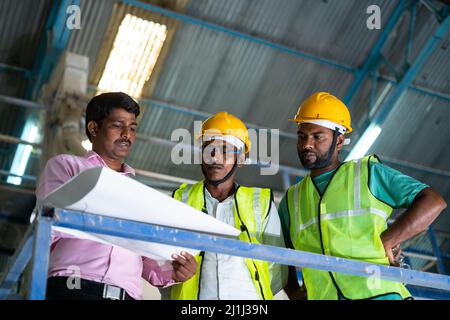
(341, 208)
(225, 143)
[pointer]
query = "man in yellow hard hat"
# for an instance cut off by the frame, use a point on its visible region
(225, 142)
(341, 208)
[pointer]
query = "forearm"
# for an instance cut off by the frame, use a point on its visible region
(425, 208)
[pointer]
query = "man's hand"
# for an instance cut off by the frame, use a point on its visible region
(425, 208)
(184, 266)
(393, 253)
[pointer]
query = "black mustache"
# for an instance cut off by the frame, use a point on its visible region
(123, 140)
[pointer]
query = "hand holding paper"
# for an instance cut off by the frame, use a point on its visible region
(184, 266)
(105, 192)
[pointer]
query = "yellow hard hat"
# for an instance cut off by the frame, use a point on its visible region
(324, 109)
(226, 125)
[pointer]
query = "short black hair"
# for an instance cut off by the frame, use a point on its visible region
(100, 106)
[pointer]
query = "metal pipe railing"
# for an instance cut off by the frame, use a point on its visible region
(165, 235)
(206, 242)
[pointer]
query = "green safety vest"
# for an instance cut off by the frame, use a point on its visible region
(251, 207)
(346, 221)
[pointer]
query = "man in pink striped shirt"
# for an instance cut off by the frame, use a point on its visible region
(105, 271)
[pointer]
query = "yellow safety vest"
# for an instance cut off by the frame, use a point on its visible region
(251, 207)
(346, 221)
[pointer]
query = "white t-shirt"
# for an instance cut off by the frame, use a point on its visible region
(225, 277)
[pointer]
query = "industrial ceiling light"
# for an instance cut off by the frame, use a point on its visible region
(30, 133)
(365, 142)
(135, 50)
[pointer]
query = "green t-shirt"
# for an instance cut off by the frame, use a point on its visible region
(386, 184)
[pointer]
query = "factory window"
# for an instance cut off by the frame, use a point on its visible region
(135, 50)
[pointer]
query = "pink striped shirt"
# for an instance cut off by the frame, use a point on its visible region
(97, 262)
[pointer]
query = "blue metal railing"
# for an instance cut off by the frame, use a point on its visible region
(201, 241)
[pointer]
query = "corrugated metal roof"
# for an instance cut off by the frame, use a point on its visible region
(21, 26)
(95, 16)
(211, 71)
(208, 71)
(417, 121)
(418, 131)
(435, 73)
(337, 25)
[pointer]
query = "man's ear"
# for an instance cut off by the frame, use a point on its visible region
(92, 128)
(340, 142)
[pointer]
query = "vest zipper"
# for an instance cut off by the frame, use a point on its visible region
(259, 282)
(202, 254)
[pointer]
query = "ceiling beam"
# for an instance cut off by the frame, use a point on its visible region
(238, 34)
(392, 100)
(373, 59)
(52, 44)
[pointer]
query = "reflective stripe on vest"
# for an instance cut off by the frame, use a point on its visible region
(347, 213)
(251, 208)
(346, 221)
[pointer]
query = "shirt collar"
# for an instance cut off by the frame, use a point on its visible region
(126, 169)
(230, 198)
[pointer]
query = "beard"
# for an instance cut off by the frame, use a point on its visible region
(314, 160)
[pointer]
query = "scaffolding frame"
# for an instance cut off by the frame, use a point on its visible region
(36, 243)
